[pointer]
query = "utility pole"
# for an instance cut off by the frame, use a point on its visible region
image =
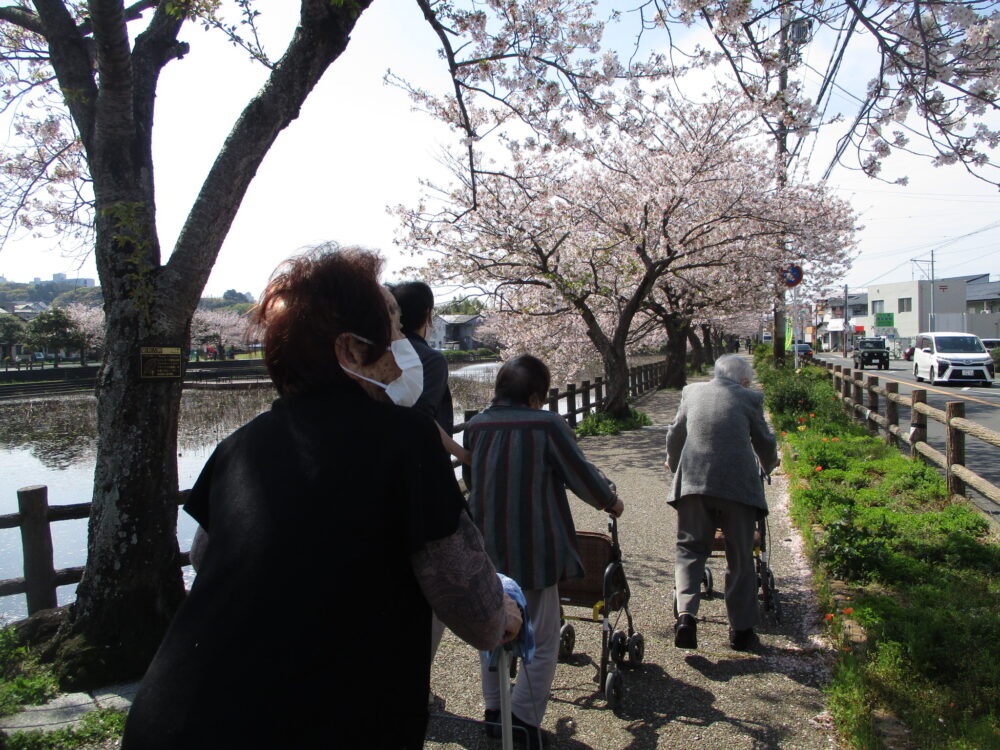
(844, 335)
(781, 165)
(932, 321)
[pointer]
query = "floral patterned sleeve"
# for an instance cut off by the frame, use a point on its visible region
(461, 585)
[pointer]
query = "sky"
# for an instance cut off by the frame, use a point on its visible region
(358, 148)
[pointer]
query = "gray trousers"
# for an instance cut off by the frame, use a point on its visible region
(698, 516)
(534, 681)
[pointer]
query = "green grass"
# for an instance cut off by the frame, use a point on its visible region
(604, 424)
(925, 574)
(94, 728)
(23, 680)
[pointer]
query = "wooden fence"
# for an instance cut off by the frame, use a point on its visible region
(35, 514)
(878, 408)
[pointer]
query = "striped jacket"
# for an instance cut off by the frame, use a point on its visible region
(523, 460)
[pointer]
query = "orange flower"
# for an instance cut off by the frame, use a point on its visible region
(819, 468)
(824, 440)
(783, 433)
(836, 440)
(802, 419)
(848, 611)
(828, 616)
(811, 414)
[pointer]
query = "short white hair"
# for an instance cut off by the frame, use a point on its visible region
(734, 367)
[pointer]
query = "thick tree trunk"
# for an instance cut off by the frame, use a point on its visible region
(697, 350)
(616, 383)
(675, 373)
(706, 341)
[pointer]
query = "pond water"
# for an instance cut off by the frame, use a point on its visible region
(51, 442)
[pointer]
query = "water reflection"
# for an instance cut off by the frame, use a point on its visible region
(62, 432)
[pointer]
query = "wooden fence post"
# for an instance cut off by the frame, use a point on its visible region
(36, 542)
(847, 379)
(918, 421)
(571, 401)
(836, 377)
(631, 382)
(554, 400)
(585, 387)
(872, 385)
(599, 392)
(954, 446)
(891, 412)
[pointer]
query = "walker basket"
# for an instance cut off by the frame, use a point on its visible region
(596, 552)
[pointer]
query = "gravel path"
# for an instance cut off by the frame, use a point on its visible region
(710, 698)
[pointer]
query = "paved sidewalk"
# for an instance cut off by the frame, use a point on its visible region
(67, 709)
(712, 698)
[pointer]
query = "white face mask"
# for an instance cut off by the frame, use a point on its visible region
(406, 389)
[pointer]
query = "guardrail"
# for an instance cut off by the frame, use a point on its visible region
(34, 514)
(863, 398)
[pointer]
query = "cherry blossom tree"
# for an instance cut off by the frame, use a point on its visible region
(934, 71)
(81, 164)
(89, 320)
(223, 328)
(590, 234)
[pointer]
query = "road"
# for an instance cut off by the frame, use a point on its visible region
(982, 405)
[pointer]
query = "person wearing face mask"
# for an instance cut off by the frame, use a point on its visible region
(335, 525)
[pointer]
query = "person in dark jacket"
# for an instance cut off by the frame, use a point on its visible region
(335, 525)
(713, 447)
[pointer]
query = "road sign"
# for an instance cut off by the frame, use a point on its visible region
(790, 275)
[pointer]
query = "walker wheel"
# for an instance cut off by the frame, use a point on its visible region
(636, 649)
(567, 640)
(613, 689)
(512, 671)
(619, 647)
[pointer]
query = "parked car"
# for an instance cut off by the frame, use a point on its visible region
(949, 357)
(991, 343)
(871, 351)
(804, 350)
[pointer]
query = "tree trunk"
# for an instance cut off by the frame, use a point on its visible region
(697, 350)
(615, 383)
(675, 373)
(706, 341)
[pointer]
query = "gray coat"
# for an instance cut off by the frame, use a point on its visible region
(711, 444)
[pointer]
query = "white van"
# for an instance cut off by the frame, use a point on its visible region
(947, 357)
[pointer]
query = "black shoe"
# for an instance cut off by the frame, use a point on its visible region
(686, 631)
(743, 640)
(492, 719)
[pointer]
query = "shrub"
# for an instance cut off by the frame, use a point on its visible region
(23, 681)
(600, 423)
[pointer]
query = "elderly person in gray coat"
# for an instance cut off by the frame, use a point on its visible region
(713, 448)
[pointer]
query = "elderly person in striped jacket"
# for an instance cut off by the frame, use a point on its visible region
(523, 460)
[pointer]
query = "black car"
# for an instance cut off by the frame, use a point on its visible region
(871, 352)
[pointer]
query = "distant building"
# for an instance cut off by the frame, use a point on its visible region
(899, 311)
(60, 278)
(460, 331)
(436, 335)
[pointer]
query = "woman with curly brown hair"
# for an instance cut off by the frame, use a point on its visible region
(335, 526)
